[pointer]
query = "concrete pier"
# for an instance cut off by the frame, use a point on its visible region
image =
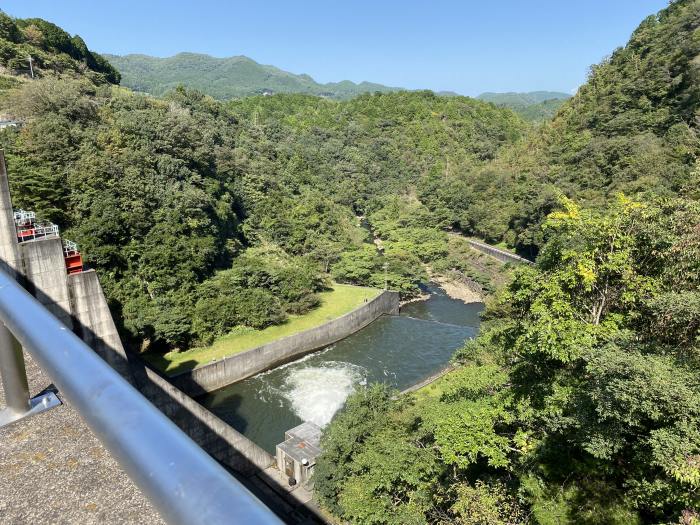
(93, 320)
(46, 276)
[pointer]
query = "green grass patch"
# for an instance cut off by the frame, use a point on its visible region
(432, 390)
(334, 303)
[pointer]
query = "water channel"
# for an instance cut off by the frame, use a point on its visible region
(398, 350)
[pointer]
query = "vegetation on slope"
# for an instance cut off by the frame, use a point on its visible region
(53, 52)
(578, 401)
(225, 78)
(578, 404)
(162, 194)
(632, 128)
(332, 303)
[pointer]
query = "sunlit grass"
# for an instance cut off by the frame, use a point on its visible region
(334, 303)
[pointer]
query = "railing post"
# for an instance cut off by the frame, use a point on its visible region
(13, 373)
(18, 404)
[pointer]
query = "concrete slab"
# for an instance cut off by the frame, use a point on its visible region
(54, 470)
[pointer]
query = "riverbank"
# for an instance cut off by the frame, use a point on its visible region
(466, 292)
(399, 350)
(428, 380)
(335, 303)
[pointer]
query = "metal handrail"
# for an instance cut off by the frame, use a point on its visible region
(183, 483)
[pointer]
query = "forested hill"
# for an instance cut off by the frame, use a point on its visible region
(522, 99)
(225, 78)
(53, 52)
(633, 128)
(162, 194)
(578, 402)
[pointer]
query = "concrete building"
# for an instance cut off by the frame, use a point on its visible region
(296, 456)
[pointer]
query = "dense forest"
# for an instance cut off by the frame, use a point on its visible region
(52, 51)
(166, 196)
(533, 106)
(578, 403)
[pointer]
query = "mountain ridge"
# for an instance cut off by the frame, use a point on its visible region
(227, 77)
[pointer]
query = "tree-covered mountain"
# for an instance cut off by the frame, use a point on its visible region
(225, 78)
(52, 51)
(523, 99)
(632, 128)
(163, 193)
(533, 106)
(578, 402)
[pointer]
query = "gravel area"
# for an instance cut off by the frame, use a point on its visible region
(54, 470)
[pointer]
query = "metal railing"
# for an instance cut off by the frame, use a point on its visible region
(183, 483)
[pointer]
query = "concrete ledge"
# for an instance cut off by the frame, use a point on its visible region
(218, 438)
(228, 370)
(497, 253)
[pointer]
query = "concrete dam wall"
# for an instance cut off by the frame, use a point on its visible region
(234, 368)
(78, 301)
(218, 438)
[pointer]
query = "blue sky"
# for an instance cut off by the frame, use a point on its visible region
(464, 46)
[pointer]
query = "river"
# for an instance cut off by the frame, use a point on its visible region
(397, 350)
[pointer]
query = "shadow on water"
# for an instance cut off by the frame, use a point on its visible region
(397, 350)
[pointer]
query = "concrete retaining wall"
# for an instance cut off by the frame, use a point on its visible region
(221, 373)
(215, 436)
(46, 276)
(497, 253)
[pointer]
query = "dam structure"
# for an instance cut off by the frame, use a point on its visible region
(51, 269)
(92, 488)
(256, 407)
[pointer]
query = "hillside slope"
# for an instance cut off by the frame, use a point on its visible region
(522, 99)
(577, 404)
(632, 128)
(225, 78)
(53, 52)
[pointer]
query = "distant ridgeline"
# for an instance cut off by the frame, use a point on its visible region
(225, 78)
(53, 52)
(533, 106)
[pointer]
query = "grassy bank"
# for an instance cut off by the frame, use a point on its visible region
(334, 303)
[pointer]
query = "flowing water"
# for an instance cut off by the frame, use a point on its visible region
(398, 350)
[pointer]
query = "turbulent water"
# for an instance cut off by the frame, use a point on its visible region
(397, 350)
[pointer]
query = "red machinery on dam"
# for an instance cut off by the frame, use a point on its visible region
(29, 229)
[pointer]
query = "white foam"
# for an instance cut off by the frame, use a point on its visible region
(316, 393)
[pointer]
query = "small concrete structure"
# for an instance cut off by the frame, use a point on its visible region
(296, 456)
